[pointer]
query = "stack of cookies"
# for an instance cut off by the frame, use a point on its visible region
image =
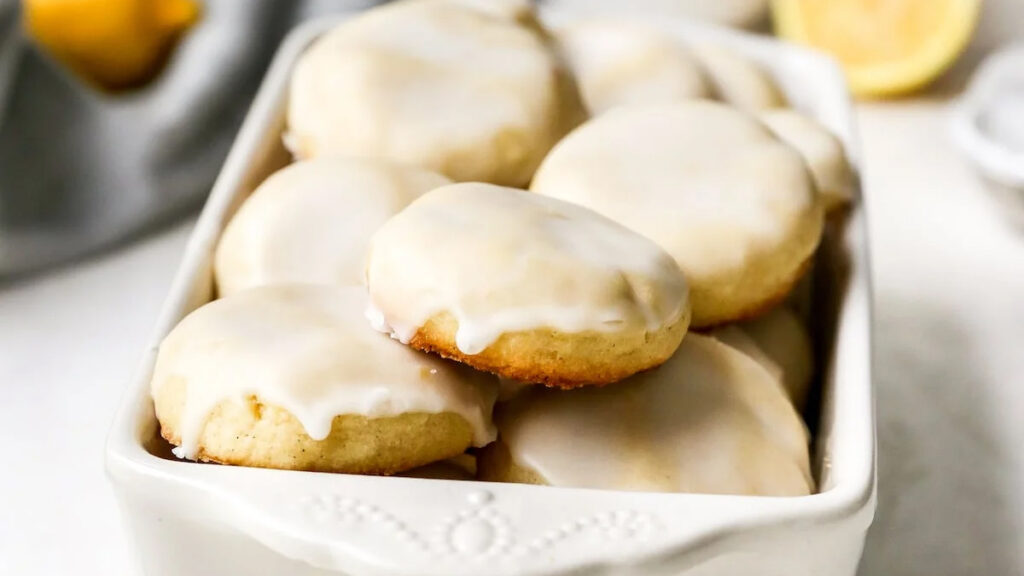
(518, 255)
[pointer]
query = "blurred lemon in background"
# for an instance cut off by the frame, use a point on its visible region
(886, 47)
(115, 44)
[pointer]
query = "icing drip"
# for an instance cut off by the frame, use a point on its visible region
(307, 350)
(503, 260)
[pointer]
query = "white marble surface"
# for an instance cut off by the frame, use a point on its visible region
(948, 262)
(68, 344)
(949, 272)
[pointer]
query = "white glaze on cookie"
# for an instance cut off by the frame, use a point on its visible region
(708, 183)
(710, 420)
(822, 151)
(307, 349)
(311, 222)
(737, 80)
(505, 260)
(618, 64)
(457, 86)
(737, 338)
(784, 339)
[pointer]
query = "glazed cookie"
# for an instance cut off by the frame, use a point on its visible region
(710, 420)
(782, 338)
(509, 389)
(822, 151)
(619, 64)
(465, 88)
(461, 467)
(290, 376)
(736, 337)
(525, 286)
(311, 222)
(714, 187)
(801, 298)
(738, 81)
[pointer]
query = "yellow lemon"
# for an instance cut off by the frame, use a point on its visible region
(116, 44)
(886, 47)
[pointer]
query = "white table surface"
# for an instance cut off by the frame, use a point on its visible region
(949, 276)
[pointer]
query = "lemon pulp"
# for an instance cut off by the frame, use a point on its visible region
(886, 47)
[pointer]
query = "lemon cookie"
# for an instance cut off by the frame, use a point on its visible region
(461, 467)
(783, 340)
(822, 151)
(736, 337)
(311, 222)
(737, 80)
(714, 187)
(290, 376)
(618, 64)
(525, 286)
(710, 420)
(465, 88)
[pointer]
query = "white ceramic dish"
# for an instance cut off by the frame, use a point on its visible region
(205, 520)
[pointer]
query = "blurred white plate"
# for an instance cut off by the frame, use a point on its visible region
(988, 123)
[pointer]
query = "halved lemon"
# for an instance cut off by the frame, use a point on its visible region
(115, 44)
(886, 47)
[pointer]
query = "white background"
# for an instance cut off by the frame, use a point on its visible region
(948, 261)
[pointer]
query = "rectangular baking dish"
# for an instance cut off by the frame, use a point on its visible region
(189, 519)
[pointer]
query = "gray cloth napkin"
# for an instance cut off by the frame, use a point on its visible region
(81, 170)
